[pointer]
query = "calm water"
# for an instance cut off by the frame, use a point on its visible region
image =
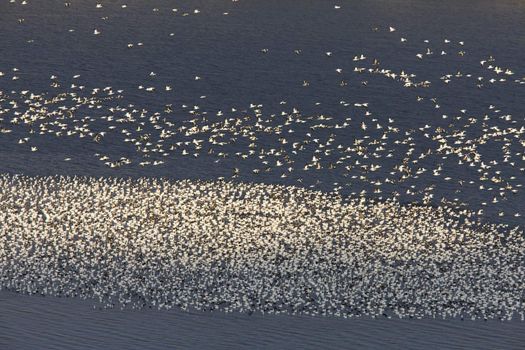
(225, 52)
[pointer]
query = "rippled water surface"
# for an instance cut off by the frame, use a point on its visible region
(268, 62)
(36, 320)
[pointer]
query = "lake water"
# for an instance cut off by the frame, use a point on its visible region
(229, 55)
(51, 323)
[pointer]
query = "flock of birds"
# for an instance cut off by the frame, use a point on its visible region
(253, 248)
(246, 243)
(359, 154)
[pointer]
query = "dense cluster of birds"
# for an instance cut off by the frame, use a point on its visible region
(253, 248)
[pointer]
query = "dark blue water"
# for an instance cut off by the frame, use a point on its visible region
(47, 323)
(263, 53)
